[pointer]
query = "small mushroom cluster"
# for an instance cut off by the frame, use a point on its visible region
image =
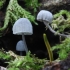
(23, 27)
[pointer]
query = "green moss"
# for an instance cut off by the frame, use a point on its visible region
(4, 55)
(61, 20)
(16, 62)
(28, 62)
(63, 48)
(2, 3)
(14, 12)
(32, 4)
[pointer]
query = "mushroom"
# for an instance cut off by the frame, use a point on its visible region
(21, 47)
(47, 17)
(23, 27)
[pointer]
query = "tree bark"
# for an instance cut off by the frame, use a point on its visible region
(55, 4)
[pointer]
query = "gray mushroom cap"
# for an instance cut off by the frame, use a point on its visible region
(22, 25)
(44, 15)
(20, 46)
(47, 17)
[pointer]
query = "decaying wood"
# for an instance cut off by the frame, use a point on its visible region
(2, 68)
(50, 4)
(55, 2)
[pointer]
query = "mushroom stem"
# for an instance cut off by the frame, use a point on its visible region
(47, 25)
(23, 38)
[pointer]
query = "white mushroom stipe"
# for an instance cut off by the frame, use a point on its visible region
(49, 27)
(23, 38)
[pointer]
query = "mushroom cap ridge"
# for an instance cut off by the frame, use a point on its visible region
(22, 25)
(45, 15)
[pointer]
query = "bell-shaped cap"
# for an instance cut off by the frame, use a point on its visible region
(22, 25)
(20, 46)
(44, 15)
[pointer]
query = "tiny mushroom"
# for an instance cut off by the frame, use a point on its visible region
(21, 47)
(46, 17)
(23, 27)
